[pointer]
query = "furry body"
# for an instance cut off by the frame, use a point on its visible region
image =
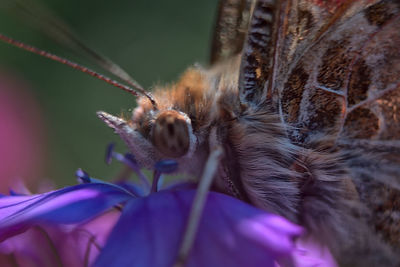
(314, 186)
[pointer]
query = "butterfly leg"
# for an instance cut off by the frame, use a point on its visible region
(198, 206)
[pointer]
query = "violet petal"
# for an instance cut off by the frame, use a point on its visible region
(231, 233)
(73, 204)
(132, 188)
(84, 178)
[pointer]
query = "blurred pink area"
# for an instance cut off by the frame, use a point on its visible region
(75, 245)
(83, 243)
(22, 134)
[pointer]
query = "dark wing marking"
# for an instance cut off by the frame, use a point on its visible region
(337, 74)
(373, 90)
(44, 20)
(314, 78)
(304, 107)
(230, 29)
(256, 58)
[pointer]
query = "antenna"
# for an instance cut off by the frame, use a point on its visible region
(134, 91)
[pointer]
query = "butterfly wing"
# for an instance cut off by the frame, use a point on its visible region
(230, 29)
(370, 128)
(331, 70)
(257, 57)
(278, 34)
(328, 68)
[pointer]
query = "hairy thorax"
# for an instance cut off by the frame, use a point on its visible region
(260, 164)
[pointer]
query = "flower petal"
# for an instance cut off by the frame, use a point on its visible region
(31, 248)
(231, 233)
(59, 245)
(81, 245)
(73, 204)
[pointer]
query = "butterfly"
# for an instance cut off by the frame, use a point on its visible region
(303, 97)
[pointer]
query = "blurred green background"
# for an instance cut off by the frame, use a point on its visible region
(155, 41)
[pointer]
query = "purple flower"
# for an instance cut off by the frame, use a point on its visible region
(231, 233)
(149, 230)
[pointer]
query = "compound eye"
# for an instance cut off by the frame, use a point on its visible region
(171, 134)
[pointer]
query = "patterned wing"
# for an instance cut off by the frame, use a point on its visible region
(278, 34)
(337, 76)
(331, 69)
(230, 29)
(340, 73)
(370, 127)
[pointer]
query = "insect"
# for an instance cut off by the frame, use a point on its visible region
(304, 99)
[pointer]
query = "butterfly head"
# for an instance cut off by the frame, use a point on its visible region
(152, 135)
(176, 129)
